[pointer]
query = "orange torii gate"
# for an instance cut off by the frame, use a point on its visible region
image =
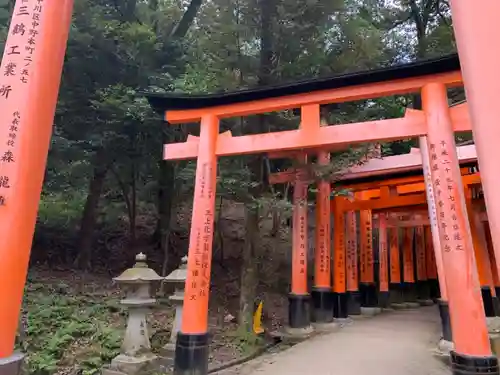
(436, 121)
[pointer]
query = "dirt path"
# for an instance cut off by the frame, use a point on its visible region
(395, 343)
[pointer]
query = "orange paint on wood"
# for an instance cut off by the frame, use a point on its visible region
(408, 270)
(475, 28)
(494, 269)
(384, 203)
(470, 334)
(31, 77)
(339, 250)
(322, 251)
(352, 252)
(480, 247)
(366, 249)
(312, 138)
(299, 237)
(383, 255)
(395, 263)
(430, 255)
(195, 312)
(420, 253)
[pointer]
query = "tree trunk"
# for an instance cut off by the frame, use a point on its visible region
(249, 274)
(133, 207)
(249, 270)
(89, 216)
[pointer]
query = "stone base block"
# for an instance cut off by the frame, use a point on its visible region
(326, 327)
(412, 305)
(425, 302)
(399, 306)
(124, 364)
(443, 350)
(495, 343)
(293, 335)
(12, 365)
(370, 311)
(493, 324)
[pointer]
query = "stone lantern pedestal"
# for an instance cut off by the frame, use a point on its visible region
(136, 356)
(178, 278)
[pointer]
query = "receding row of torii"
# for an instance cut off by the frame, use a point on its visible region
(401, 269)
(437, 196)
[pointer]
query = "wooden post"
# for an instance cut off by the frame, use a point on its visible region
(354, 302)
(409, 293)
(339, 264)
(482, 257)
(299, 316)
(394, 267)
(28, 96)
(470, 335)
(322, 292)
(191, 353)
(367, 286)
(434, 257)
(475, 29)
(422, 283)
(383, 262)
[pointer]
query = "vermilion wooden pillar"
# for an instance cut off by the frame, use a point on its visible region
(383, 259)
(339, 263)
(470, 335)
(353, 298)
(299, 316)
(367, 286)
(433, 243)
(422, 283)
(409, 294)
(321, 294)
(494, 270)
(394, 267)
(27, 104)
(482, 257)
(475, 29)
(191, 353)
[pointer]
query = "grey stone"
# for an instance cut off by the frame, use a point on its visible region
(11, 365)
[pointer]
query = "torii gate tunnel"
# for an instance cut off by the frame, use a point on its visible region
(31, 103)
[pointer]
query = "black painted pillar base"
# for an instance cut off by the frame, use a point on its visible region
(409, 292)
(462, 364)
(384, 300)
(191, 354)
(353, 303)
(489, 307)
(423, 290)
(368, 295)
(496, 305)
(322, 305)
(299, 311)
(340, 305)
(444, 313)
(395, 294)
(434, 291)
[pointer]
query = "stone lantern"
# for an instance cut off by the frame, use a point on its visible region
(136, 356)
(178, 278)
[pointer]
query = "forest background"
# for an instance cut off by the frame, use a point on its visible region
(109, 195)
